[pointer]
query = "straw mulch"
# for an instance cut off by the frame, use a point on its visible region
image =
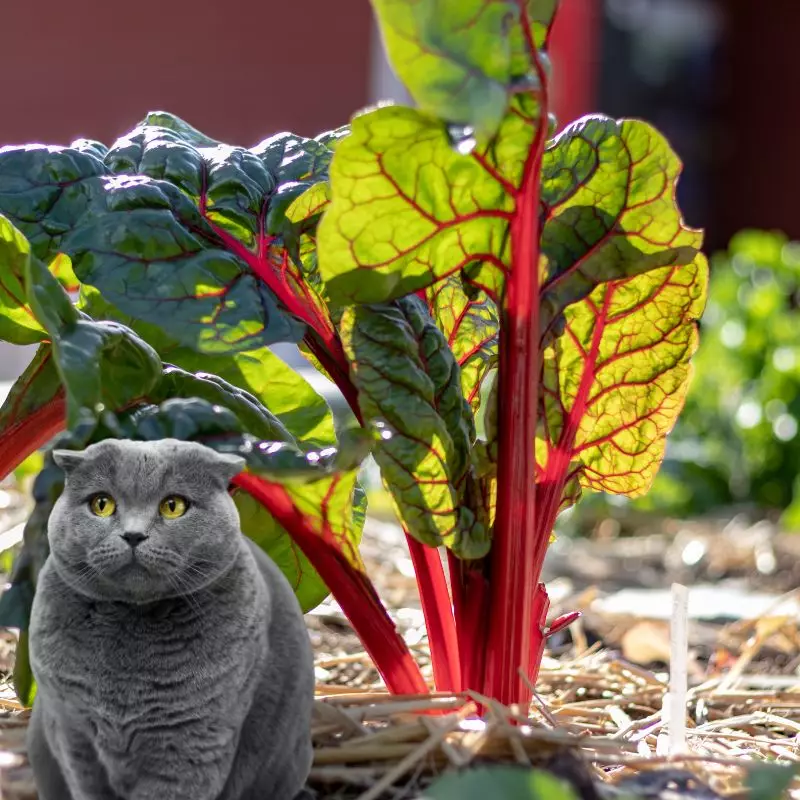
(596, 719)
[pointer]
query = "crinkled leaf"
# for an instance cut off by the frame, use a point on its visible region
(280, 391)
(90, 146)
(179, 230)
(186, 133)
(408, 210)
(470, 322)
(148, 249)
(615, 380)
(462, 59)
(126, 367)
(608, 198)
(45, 191)
(18, 324)
(409, 388)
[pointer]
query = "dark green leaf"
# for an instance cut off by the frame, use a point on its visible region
(126, 367)
(608, 197)
(503, 783)
(770, 781)
(45, 191)
(409, 388)
(273, 384)
(163, 119)
(179, 230)
(24, 683)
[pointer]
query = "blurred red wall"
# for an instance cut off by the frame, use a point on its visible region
(757, 157)
(237, 70)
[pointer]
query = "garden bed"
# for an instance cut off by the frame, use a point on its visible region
(597, 718)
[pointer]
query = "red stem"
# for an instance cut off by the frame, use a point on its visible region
(516, 636)
(31, 433)
(331, 356)
(438, 613)
(351, 588)
(470, 596)
(338, 374)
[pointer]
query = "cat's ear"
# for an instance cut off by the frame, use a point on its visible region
(229, 466)
(68, 460)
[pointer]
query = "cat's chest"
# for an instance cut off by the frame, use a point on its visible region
(118, 666)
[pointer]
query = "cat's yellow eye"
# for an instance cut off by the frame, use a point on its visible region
(102, 505)
(173, 507)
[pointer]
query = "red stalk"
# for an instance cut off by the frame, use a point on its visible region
(518, 604)
(438, 613)
(351, 588)
(470, 594)
(31, 433)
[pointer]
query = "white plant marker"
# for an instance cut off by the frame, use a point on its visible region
(678, 669)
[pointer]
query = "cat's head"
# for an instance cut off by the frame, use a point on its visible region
(144, 521)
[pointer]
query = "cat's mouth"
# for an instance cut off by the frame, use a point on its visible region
(133, 566)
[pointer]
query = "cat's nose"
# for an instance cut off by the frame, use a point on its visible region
(134, 539)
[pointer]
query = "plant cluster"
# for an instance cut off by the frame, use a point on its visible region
(411, 255)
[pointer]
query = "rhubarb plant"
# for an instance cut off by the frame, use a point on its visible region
(413, 255)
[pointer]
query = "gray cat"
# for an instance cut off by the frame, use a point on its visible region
(171, 655)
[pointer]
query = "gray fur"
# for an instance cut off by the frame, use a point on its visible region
(183, 671)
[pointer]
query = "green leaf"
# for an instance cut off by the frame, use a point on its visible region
(61, 269)
(461, 60)
(279, 390)
(97, 149)
(168, 266)
(615, 380)
(508, 783)
(770, 781)
(17, 322)
(470, 322)
(249, 412)
(608, 198)
(24, 683)
(185, 132)
(45, 191)
(335, 505)
(127, 367)
(409, 388)
(407, 210)
(205, 251)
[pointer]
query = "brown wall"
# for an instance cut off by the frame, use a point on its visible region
(756, 143)
(238, 70)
